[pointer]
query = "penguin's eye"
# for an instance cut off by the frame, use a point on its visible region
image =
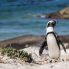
(54, 23)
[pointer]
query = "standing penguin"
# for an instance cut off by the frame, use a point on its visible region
(52, 41)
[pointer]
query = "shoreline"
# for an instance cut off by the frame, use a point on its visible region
(22, 41)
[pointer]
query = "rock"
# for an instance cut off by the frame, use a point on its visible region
(28, 40)
(63, 14)
(54, 15)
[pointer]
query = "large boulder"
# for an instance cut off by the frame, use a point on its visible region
(63, 14)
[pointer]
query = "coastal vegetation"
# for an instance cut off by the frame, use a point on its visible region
(14, 53)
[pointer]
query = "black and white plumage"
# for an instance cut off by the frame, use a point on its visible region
(52, 41)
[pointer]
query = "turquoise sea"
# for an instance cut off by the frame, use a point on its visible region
(19, 17)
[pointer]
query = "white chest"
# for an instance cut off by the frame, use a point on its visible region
(52, 46)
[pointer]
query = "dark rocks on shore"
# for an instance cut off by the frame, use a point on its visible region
(23, 41)
(62, 14)
(54, 15)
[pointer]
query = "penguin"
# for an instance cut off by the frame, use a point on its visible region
(52, 41)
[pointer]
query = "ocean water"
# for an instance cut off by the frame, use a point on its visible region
(19, 17)
(19, 27)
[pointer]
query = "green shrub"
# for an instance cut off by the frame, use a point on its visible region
(13, 53)
(25, 56)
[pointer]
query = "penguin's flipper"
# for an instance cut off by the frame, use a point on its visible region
(63, 46)
(61, 43)
(44, 44)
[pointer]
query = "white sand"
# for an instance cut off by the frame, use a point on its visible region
(60, 65)
(8, 63)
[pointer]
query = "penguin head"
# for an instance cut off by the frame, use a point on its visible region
(50, 26)
(51, 23)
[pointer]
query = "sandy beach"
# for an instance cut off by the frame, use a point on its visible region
(31, 44)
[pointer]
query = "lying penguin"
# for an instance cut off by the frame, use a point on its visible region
(52, 41)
